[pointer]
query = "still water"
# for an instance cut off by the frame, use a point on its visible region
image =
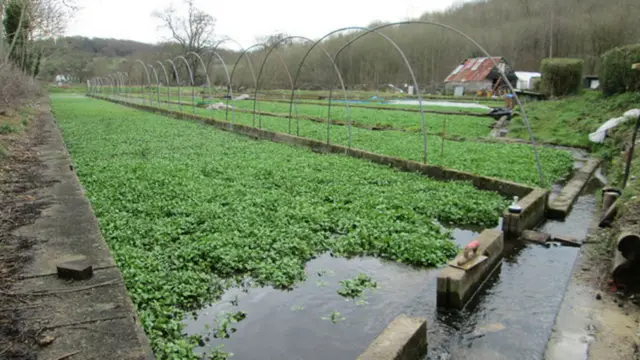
(511, 318)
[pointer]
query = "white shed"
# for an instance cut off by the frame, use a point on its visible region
(525, 79)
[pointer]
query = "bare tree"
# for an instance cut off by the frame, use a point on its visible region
(194, 31)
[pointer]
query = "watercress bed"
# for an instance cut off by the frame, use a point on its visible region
(515, 162)
(186, 208)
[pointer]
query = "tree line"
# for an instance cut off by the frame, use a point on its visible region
(522, 31)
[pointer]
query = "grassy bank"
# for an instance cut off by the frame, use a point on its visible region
(570, 120)
(186, 209)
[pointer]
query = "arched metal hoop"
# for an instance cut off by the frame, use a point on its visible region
(168, 84)
(229, 90)
(206, 73)
(155, 74)
(175, 71)
(335, 67)
(193, 90)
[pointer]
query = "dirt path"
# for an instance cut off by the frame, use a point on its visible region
(19, 176)
(47, 220)
(596, 320)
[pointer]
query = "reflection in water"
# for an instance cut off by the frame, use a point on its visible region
(510, 318)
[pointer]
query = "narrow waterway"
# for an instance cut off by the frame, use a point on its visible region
(510, 318)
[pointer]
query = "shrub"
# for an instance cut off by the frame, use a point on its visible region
(561, 77)
(7, 129)
(616, 75)
(537, 84)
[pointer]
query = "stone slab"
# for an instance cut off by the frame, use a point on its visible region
(535, 236)
(404, 339)
(457, 286)
(561, 205)
(567, 241)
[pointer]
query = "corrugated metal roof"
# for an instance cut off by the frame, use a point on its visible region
(476, 69)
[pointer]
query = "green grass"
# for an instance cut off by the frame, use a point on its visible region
(514, 162)
(73, 89)
(186, 209)
(8, 129)
(570, 120)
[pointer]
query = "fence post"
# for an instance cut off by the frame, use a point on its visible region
(630, 156)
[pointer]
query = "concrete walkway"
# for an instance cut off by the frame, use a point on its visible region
(91, 319)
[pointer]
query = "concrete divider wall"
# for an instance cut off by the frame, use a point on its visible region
(505, 188)
(457, 286)
(404, 339)
(560, 207)
(533, 206)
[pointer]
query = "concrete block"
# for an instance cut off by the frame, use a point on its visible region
(535, 236)
(404, 339)
(567, 241)
(75, 270)
(561, 205)
(457, 286)
(533, 213)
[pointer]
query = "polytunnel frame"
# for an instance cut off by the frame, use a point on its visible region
(144, 67)
(108, 79)
(166, 76)
(123, 89)
(229, 90)
(116, 79)
(420, 100)
(271, 49)
(206, 73)
(175, 71)
(124, 83)
(155, 74)
(99, 85)
(245, 52)
(193, 91)
(406, 62)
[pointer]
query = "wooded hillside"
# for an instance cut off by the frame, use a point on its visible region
(522, 31)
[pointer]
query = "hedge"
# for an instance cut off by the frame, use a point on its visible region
(561, 77)
(616, 75)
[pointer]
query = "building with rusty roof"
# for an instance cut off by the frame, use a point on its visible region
(479, 74)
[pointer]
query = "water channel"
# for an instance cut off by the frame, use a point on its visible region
(510, 318)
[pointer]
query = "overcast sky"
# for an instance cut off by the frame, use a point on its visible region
(244, 20)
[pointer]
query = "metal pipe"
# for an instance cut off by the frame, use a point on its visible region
(627, 168)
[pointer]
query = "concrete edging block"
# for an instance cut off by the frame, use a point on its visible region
(404, 338)
(534, 207)
(456, 286)
(561, 205)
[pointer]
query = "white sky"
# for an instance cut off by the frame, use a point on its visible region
(244, 20)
